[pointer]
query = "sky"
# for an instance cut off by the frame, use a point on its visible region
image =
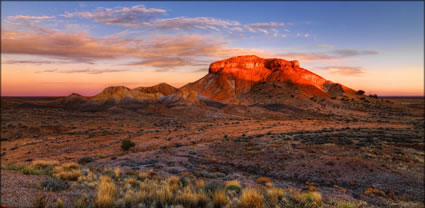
(56, 48)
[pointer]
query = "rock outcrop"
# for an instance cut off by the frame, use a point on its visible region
(162, 88)
(230, 78)
(124, 95)
(237, 80)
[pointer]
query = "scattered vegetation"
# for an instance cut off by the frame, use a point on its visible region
(126, 144)
(147, 189)
(54, 184)
(37, 167)
(117, 188)
(68, 171)
(251, 198)
(40, 201)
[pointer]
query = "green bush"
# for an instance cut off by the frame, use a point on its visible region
(85, 160)
(126, 144)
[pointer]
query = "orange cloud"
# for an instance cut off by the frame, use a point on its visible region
(343, 70)
(158, 51)
(78, 47)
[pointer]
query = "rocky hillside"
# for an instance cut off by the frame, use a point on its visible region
(123, 95)
(236, 77)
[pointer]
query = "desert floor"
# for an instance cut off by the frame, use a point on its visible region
(342, 157)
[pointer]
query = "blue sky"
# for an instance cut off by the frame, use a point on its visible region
(376, 46)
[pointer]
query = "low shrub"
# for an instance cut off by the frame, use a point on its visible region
(126, 144)
(85, 160)
(54, 184)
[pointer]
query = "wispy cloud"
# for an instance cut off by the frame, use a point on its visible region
(87, 71)
(134, 16)
(36, 62)
(330, 55)
(354, 52)
(196, 22)
(303, 35)
(307, 56)
(263, 27)
(162, 62)
(343, 70)
(22, 17)
(141, 17)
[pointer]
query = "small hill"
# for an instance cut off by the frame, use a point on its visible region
(162, 88)
(71, 100)
(122, 95)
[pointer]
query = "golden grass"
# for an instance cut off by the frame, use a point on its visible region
(313, 199)
(274, 195)
(44, 163)
(147, 189)
(70, 166)
(220, 199)
(200, 183)
(68, 171)
(234, 182)
(251, 198)
(130, 198)
(117, 173)
(193, 199)
(59, 203)
(163, 194)
(186, 173)
(263, 180)
(106, 193)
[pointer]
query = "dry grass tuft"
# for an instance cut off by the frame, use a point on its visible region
(68, 171)
(251, 198)
(44, 163)
(40, 201)
(163, 195)
(106, 193)
(117, 173)
(200, 183)
(193, 199)
(59, 203)
(262, 180)
(274, 195)
(220, 199)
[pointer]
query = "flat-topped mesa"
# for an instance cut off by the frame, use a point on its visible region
(252, 62)
(252, 68)
(233, 77)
